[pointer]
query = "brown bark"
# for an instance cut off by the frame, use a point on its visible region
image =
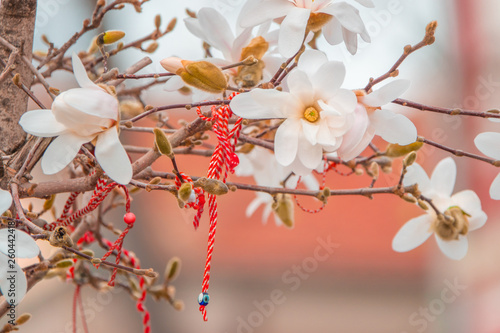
(17, 24)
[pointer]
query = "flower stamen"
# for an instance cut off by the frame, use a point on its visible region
(311, 114)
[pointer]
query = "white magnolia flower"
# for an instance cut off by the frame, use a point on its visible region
(78, 116)
(339, 21)
(13, 244)
(261, 164)
(488, 143)
(317, 112)
(213, 28)
(464, 207)
(371, 120)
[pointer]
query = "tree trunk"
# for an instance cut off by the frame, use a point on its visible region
(17, 24)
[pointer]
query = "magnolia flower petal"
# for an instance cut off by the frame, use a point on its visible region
(112, 157)
(301, 87)
(488, 143)
(327, 111)
(387, 93)
(253, 206)
(366, 3)
(15, 271)
(354, 134)
(193, 25)
(350, 40)
(292, 31)
(328, 79)
(174, 83)
(310, 131)
(298, 168)
(91, 102)
(443, 177)
(477, 220)
(217, 30)
(286, 141)
(357, 149)
(77, 121)
(81, 74)
(239, 43)
(310, 182)
(324, 136)
(311, 60)
(344, 100)
(263, 104)
(41, 123)
(495, 188)
(468, 201)
(347, 15)
(412, 234)
(333, 32)
(415, 174)
(62, 151)
(252, 13)
(310, 155)
(25, 246)
(5, 201)
(393, 128)
(454, 249)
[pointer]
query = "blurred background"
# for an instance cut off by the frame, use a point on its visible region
(270, 279)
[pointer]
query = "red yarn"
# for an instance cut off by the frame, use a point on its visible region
(223, 160)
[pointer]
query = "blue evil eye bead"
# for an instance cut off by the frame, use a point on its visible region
(203, 298)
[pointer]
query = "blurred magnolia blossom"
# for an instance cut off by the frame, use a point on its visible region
(260, 163)
(463, 211)
(13, 244)
(317, 112)
(488, 143)
(78, 116)
(338, 20)
(212, 28)
(371, 120)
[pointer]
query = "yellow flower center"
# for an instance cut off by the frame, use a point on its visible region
(311, 114)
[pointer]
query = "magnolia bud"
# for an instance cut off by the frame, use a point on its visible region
(283, 207)
(205, 76)
(185, 191)
(172, 270)
(65, 263)
(162, 143)
(49, 202)
(155, 181)
(158, 21)
(211, 186)
(109, 37)
(96, 261)
(172, 64)
(171, 25)
(410, 159)
(151, 47)
(395, 150)
(23, 318)
(422, 204)
(178, 305)
(93, 46)
(374, 170)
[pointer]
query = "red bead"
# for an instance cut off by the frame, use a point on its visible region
(129, 218)
(233, 162)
